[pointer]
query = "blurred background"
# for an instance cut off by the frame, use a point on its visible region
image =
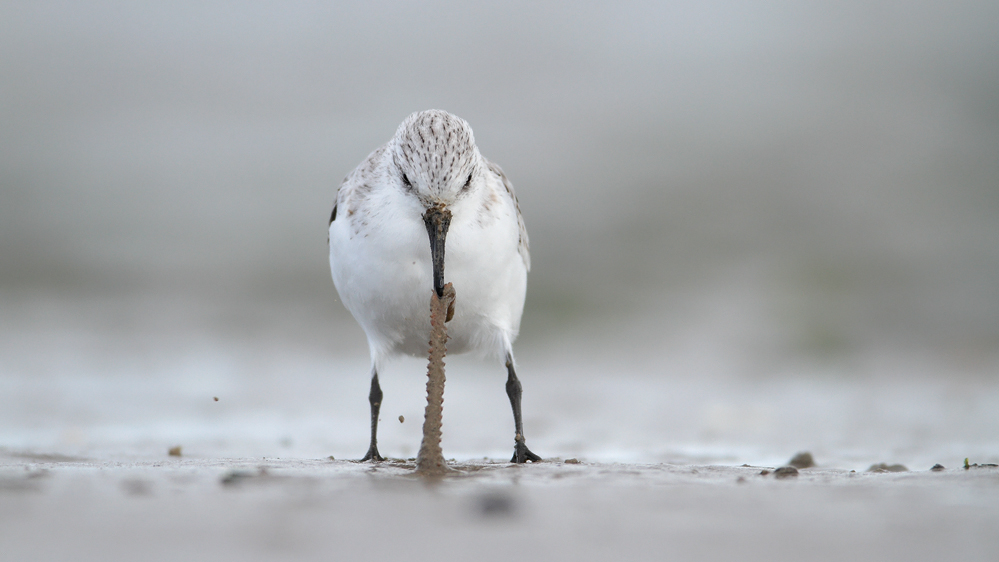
(756, 227)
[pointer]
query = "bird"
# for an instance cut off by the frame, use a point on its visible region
(425, 203)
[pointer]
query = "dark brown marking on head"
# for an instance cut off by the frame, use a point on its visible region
(436, 148)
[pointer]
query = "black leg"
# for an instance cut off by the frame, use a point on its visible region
(521, 453)
(375, 399)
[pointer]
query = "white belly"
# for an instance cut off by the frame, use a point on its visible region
(383, 273)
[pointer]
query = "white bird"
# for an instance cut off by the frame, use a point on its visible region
(387, 234)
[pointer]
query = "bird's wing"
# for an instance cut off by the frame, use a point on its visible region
(524, 246)
(358, 182)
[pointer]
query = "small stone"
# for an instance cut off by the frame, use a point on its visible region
(764, 472)
(331, 458)
(802, 460)
(496, 505)
(571, 461)
(885, 467)
(786, 472)
(401, 418)
(937, 467)
(216, 398)
(235, 477)
(174, 451)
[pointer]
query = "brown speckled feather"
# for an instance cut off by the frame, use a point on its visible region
(524, 247)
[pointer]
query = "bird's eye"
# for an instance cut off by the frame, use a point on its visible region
(405, 182)
(468, 183)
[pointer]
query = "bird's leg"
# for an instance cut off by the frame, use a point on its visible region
(521, 453)
(375, 399)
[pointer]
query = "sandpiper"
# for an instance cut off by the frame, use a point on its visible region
(387, 234)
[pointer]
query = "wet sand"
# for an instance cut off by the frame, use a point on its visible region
(88, 419)
(54, 508)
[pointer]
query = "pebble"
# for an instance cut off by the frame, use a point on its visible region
(885, 467)
(786, 472)
(802, 460)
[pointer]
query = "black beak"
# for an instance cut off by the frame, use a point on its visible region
(437, 220)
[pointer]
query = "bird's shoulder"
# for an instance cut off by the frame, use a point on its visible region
(360, 182)
(524, 246)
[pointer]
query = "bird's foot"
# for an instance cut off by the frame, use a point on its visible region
(372, 455)
(522, 454)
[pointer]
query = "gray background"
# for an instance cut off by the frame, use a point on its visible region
(732, 189)
(838, 160)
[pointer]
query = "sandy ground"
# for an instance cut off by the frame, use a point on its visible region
(661, 428)
(60, 508)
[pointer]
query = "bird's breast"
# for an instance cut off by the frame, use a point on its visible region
(382, 270)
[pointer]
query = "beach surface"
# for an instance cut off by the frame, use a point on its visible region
(60, 508)
(676, 449)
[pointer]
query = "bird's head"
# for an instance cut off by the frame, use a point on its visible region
(436, 161)
(435, 157)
